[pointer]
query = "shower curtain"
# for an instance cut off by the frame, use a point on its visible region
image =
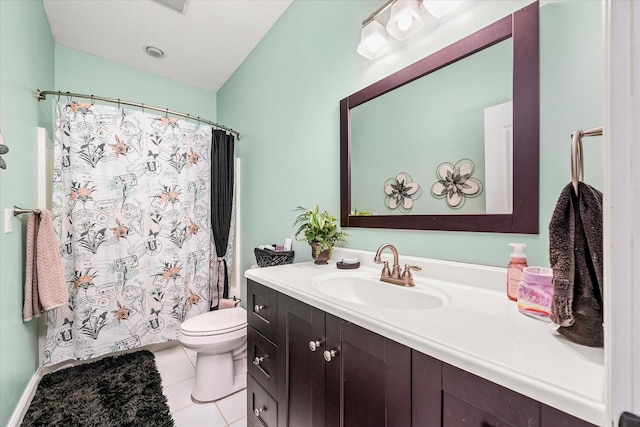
(131, 205)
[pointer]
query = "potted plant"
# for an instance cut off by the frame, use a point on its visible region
(320, 230)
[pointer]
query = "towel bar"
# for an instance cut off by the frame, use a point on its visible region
(19, 211)
(577, 164)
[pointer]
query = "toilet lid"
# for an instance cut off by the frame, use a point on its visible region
(216, 322)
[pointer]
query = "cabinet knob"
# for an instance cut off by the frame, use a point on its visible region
(257, 411)
(329, 354)
(314, 345)
(257, 360)
(258, 308)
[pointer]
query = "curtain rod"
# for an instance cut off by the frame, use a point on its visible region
(42, 95)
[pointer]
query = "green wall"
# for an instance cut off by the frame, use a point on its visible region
(284, 101)
(26, 63)
(80, 72)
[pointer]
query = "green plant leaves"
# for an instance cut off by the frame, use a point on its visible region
(317, 227)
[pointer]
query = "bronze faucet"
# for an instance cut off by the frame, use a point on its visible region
(393, 275)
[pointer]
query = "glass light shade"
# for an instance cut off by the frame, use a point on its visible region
(439, 8)
(405, 20)
(373, 40)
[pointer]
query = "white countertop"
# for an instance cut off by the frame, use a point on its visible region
(476, 329)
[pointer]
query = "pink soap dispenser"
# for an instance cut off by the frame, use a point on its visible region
(517, 263)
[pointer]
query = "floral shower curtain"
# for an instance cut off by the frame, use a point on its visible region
(131, 209)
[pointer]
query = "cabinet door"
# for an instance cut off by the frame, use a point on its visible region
(552, 417)
(301, 377)
(458, 413)
(468, 397)
(368, 378)
(426, 390)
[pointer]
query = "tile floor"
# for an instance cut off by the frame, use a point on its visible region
(177, 366)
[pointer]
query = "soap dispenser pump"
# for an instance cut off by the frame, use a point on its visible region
(517, 263)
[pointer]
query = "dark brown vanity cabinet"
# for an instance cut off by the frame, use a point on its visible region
(334, 373)
(308, 368)
(319, 370)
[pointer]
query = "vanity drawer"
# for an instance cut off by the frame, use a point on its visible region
(469, 396)
(262, 360)
(262, 409)
(262, 309)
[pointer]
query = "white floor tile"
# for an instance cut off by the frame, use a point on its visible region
(179, 394)
(199, 415)
(169, 355)
(234, 407)
(242, 422)
(192, 355)
(176, 372)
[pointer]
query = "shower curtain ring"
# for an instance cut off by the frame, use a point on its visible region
(166, 113)
(142, 106)
(92, 100)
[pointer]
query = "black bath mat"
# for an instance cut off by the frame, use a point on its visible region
(115, 391)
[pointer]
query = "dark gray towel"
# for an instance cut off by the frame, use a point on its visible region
(575, 252)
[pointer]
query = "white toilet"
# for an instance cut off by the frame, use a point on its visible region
(220, 339)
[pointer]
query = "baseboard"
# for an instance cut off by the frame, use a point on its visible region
(23, 404)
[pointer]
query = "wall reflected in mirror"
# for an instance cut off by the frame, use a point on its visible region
(421, 148)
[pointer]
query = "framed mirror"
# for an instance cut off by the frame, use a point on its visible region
(450, 142)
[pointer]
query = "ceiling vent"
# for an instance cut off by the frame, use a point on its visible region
(154, 52)
(177, 5)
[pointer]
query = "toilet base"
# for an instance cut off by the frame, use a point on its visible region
(215, 377)
(239, 383)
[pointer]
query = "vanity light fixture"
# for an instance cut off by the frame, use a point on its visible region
(404, 21)
(373, 40)
(440, 8)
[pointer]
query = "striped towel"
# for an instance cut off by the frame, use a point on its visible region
(44, 287)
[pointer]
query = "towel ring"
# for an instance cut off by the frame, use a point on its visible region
(577, 162)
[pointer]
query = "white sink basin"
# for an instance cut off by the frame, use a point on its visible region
(363, 289)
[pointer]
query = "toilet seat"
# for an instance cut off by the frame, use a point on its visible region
(216, 322)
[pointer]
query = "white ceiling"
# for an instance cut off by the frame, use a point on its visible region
(203, 47)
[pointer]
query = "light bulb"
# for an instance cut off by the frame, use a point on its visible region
(404, 23)
(374, 45)
(404, 19)
(440, 8)
(373, 40)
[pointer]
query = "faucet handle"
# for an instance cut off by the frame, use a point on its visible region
(406, 274)
(385, 270)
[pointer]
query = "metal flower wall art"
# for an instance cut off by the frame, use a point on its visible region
(401, 192)
(455, 183)
(3, 150)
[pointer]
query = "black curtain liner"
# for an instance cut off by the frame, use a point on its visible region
(222, 176)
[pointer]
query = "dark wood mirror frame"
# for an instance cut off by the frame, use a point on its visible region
(522, 25)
